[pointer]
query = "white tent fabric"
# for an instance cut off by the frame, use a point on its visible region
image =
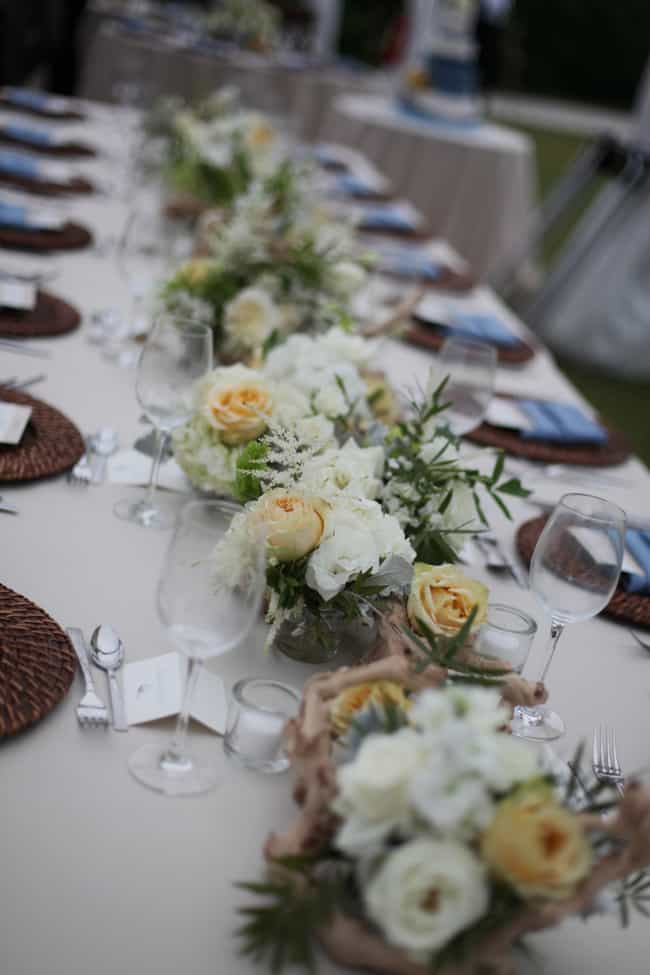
(602, 315)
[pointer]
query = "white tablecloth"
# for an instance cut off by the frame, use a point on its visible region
(100, 874)
(475, 185)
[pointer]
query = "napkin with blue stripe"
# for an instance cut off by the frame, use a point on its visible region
(409, 263)
(560, 423)
(388, 217)
(638, 543)
(38, 137)
(351, 185)
(13, 216)
(482, 327)
(26, 98)
(18, 165)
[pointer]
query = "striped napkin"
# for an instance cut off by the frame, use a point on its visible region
(560, 423)
(38, 137)
(18, 165)
(638, 543)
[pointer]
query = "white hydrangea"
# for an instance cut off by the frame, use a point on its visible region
(349, 469)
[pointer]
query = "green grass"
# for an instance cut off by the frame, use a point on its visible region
(625, 403)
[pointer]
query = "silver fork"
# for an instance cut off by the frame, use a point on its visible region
(488, 538)
(90, 710)
(81, 474)
(604, 760)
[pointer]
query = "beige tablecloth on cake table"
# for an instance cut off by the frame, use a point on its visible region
(99, 874)
(474, 184)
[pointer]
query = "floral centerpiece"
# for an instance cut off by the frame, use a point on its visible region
(274, 266)
(435, 841)
(254, 24)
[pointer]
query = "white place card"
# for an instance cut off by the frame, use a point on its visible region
(133, 467)
(13, 420)
(153, 689)
(505, 413)
(20, 295)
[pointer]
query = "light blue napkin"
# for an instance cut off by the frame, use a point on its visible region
(484, 328)
(408, 263)
(37, 137)
(387, 217)
(18, 165)
(355, 186)
(12, 216)
(26, 98)
(560, 423)
(638, 543)
(326, 157)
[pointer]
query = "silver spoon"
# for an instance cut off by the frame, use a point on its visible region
(107, 651)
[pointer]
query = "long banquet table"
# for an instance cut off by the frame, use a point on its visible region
(102, 875)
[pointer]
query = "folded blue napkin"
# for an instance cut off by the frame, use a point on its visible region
(355, 186)
(327, 157)
(560, 423)
(38, 137)
(409, 263)
(12, 216)
(26, 98)
(484, 328)
(17, 165)
(638, 543)
(387, 217)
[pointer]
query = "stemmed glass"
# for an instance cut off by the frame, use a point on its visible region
(205, 616)
(176, 354)
(574, 572)
(471, 367)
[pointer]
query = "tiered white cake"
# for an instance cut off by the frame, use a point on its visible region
(445, 85)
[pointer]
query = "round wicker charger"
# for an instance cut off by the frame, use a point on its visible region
(69, 116)
(430, 336)
(615, 451)
(51, 444)
(45, 187)
(64, 150)
(626, 607)
(72, 236)
(50, 316)
(37, 663)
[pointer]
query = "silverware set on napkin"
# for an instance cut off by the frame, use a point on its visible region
(106, 651)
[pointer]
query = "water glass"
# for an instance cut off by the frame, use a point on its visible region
(471, 367)
(176, 355)
(258, 712)
(506, 638)
(574, 571)
(204, 617)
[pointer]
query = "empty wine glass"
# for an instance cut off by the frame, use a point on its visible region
(176, 354)
(205, 616)
(574, 572)
(471, 367)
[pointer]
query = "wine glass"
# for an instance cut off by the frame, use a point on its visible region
(205, 616)
(574, 572)
(471, 367)
(176, 354)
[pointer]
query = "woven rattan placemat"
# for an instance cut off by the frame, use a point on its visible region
(626, 607)
(37, 663)
(50, 316)
(615, 451)
(50, 445)
(46, 187)
(429, 336)
(72, 236)
(63, 150)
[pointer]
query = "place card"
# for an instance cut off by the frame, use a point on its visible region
(13, 420)
(20, 295)
(133, 467)
(153, 689)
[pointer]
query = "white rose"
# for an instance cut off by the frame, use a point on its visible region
(373, 798)
(250, 317)
(349, 470)
(425, 893)
(358, 537)
(331, 401)
(347, 278)
(503, 761)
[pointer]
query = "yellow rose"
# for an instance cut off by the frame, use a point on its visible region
(442, 598)
(196, 270)
(537, 846)
(293, 524)
(238, 404)
(354, 699)
(260, 135)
